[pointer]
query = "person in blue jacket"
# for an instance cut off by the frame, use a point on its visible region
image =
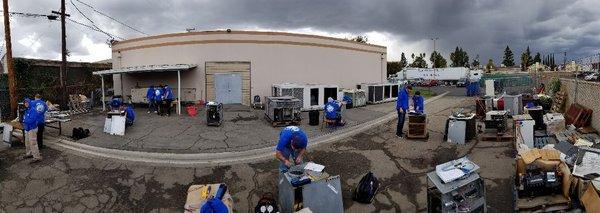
(41, 108)
(30, 121)
(292, 143)
(115, 103)
(129, 115)
(158, 98)
(151, 101)
(332, 111)
(418, 102)
(402, 108)
(168, 99)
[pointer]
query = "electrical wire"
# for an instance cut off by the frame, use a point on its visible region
(112, 36)
(32, 15)
(104, 14)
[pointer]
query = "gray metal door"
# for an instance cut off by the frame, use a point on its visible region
(228, 88)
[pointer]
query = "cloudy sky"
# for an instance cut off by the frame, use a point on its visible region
(482, 27)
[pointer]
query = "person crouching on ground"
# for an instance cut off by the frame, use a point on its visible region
(30, 122)
(401, 108)
(151, 101)
(129, 115)
(418, 103)
(41, 108)
(292, 143)
(332, 111)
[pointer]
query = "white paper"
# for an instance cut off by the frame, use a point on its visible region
(314, 167)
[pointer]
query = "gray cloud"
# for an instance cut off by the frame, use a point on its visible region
(481, 27)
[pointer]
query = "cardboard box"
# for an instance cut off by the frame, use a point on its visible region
(546, 160)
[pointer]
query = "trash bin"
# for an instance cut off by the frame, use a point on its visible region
(313, 117)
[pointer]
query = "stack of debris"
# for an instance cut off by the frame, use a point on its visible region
(79, 104)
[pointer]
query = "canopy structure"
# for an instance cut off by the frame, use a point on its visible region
(149, 68)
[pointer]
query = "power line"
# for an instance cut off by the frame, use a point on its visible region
(112, 36)
(101, 13)
(33, 15)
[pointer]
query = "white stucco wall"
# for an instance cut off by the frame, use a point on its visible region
(274, 57)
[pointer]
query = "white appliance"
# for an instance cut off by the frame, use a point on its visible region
(380, 93)
(457, 131)
(489, 88)
(524, 125)
(513, 104)
(490, 114)
(115, 125)
(312, 96)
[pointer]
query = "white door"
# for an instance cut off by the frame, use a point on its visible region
(228, 88)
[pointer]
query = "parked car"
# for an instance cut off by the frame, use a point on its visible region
(461, 82)
(592, 77)
(429, 83)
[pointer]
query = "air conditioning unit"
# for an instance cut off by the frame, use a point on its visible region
(380, 93)
(283, 110)
(312, 96)
(358, 97)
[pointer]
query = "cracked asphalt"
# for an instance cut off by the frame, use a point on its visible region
(68, 183)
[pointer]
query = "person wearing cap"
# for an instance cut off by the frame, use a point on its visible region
(151, 101)
(332, 109)
(402, 108)
(418, 102)
(30, 121)
(41, 108)
(292, 143)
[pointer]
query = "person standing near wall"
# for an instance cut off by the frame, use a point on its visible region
(30, 121)
(41, 108)
(151, 101)
(168, 99)
(402, 108)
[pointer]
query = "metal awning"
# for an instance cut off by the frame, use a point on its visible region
(147, 68)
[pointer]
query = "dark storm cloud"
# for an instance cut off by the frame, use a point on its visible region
(481, 27)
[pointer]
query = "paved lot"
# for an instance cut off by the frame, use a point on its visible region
(65, 182)
(243, 129)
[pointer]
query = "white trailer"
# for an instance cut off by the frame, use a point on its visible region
(441, 74)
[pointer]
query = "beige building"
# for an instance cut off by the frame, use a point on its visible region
(233, 66)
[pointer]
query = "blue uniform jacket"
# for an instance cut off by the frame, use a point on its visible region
(30, 118)
(150, 94)
(286, 136)
(402, 101)
(158, 94)
(168, 93)
(130, 114)
(419, 103)
(331, 109)
(40, 108)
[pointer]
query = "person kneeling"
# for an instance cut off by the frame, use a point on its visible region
(129, 115)
(333, 112)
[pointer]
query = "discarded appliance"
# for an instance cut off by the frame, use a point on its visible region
(460, 128)
(311, 96)
(456, 186)
(283, 110)
(555, 122)
(524, 127)
(358, 98)
(496, 120)
(537, 113)
(536, 182)
(198, 195)
(114, 123)
(380, 92)
(513, 104)
(417, 126)
(257, 103)
(214, 113)
(301, 188)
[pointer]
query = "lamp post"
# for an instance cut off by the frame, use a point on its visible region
(434, 57)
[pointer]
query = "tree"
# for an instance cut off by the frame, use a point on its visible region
(526, 59)
(475, 63)
(393, 67)
(403, 61)
(508, 61)
(360, 39)
(437, 60)
(537, 58)
(419, 61)
(459, 58)
(490, 65)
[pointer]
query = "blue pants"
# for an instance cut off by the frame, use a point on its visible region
(287, 152)
(400, 126)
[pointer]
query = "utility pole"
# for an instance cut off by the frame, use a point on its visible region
(434, 57)
(565, 61)
(63, 64)
(9, 62)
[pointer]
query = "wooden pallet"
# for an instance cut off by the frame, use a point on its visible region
(506, 137)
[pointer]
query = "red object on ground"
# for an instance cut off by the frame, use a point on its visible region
(501, 104)
(192, 110)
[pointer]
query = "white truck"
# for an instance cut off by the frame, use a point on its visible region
(450, 74)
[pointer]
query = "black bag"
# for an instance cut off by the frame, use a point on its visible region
(367, 189)
(80, 133)
(266, 203)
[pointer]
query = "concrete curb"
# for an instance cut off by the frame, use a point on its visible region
(211, 159)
